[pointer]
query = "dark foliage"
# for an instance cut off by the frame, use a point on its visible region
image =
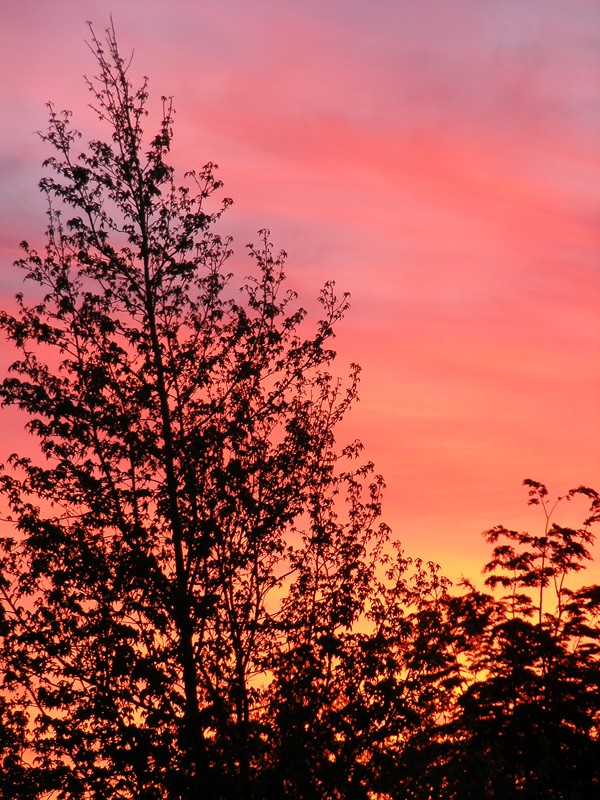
(190, 528)
(525, 723)
(196, 597)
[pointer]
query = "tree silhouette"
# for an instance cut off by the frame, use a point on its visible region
(188, 480)
(346, 703)
(525, 723)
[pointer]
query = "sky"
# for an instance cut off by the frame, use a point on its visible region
(440, 160)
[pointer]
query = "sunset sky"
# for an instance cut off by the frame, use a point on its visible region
(439, 159)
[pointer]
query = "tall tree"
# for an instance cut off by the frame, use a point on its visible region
(188, 478)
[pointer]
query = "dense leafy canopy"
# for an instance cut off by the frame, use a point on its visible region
(197, 599)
